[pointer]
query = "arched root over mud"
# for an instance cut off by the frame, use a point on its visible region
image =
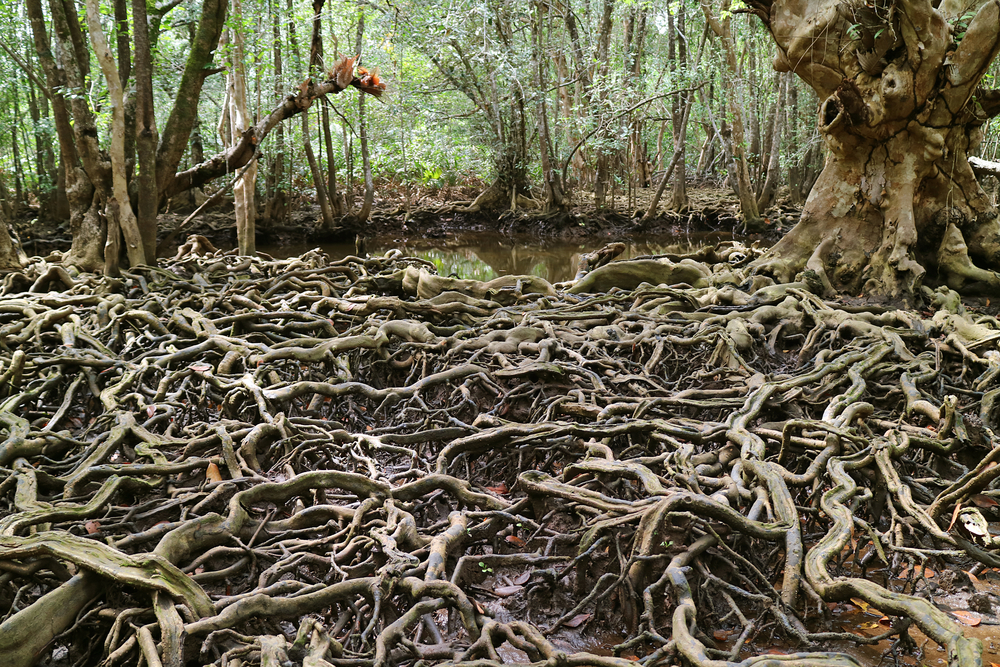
(237, 461)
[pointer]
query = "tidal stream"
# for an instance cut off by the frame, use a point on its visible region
(481, 256)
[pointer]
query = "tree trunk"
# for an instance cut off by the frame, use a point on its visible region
(336, 200)
(772, 177)
(897, 200)
(366, 203)
(369, 198)
(85, 169)
(602, 178)
(118, 207)
(748, 203)
(9, 260)
(239, 123)
(654, 201)
(276, 206)
(184, 113)
(554, 196)
(315, 54)
(147, 201)
(677, 54)
(317, 174)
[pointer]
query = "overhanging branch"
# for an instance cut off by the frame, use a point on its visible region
(983, 167)
(231, 159)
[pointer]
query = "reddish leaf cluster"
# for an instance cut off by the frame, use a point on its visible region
(369, 82)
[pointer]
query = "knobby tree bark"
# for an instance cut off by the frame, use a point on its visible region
(901, 112)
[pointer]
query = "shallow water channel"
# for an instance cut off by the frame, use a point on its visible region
(484, 256)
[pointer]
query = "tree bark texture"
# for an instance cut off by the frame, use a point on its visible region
(723, 30)
(900, 114)
(243, 189)
(119, 200)
(147, 201)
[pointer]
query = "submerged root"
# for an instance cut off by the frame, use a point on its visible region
(360, 462)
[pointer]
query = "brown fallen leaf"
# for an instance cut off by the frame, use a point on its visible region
(722, 635)
(212, 473)
(981, 501)
(577, 620)
(515, 541)
(522, 578)
(954, 515)
(507, 591)
(501, 489)
(970, 618)
(92, 527)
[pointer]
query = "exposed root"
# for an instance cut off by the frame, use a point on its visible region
(361, 463)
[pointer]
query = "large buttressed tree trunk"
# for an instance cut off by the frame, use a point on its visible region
(900, 112)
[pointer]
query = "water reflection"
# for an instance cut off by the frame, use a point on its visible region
(482, 256)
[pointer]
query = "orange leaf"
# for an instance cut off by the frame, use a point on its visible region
(954, 515)
(865, 607)
(500, 490)
(885, 620)
(212, 473)
(969, 618)
(722, 635)
(515, 540)
(979, 500)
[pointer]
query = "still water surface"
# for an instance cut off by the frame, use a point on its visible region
(484, 256)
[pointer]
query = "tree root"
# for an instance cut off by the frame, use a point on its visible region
(359, 462)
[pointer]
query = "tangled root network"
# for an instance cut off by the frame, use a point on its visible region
(227, 460)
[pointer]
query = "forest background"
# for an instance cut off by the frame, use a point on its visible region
(550, 103)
